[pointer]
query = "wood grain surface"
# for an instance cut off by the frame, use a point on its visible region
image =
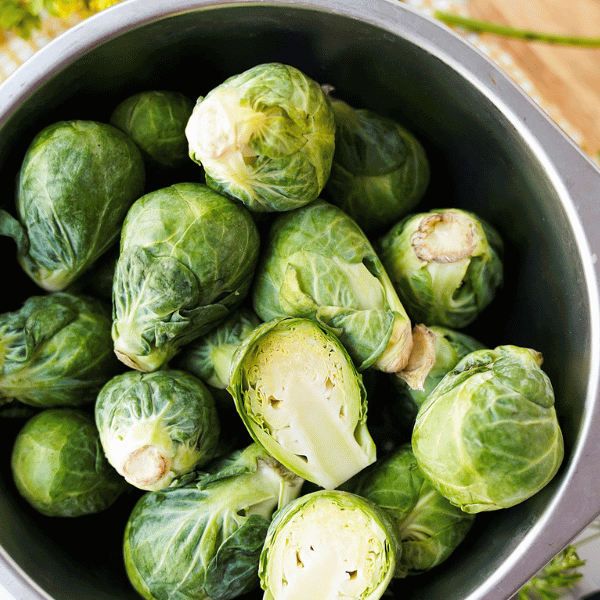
(568, 77)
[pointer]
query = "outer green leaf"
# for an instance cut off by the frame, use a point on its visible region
(301, 398)
(210, 357)
(318, 264)
(202, 538)
(76, 183)
(59, 467)
(56, 350)
(487, 436)
(428, 527)
(380, 170)
(328, 545)
(187, 258)
(156, 120)
(265, 137)
(156, 426)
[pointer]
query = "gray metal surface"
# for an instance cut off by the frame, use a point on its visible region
(492, 151)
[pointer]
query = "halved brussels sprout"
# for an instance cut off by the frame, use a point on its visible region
(317, 263)
(300, 396)
(436, 350)
(446, 265)
(427, 525)
(380, 170)
(155, 120)
(328, 545)
(265, 137)
(59, 467)
(202, 537)
(209, 357)
(488, 436)
(76, 183)
(187, 259)
(56, 350)
(156, 426)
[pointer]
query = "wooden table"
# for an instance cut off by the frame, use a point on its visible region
(568, 77)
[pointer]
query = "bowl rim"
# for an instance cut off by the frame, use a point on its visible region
(574, 175)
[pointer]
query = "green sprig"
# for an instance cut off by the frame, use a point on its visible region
(560, 574)
(479, 26)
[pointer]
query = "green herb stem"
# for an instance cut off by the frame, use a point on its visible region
(479, 26)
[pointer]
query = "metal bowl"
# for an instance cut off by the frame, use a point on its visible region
(492, 151)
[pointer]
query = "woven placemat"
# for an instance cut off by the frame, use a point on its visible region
(15, 50)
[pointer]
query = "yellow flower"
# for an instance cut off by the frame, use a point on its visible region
(98, 5)
(63, 8)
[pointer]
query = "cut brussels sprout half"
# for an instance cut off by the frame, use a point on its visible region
(59, 467)
(201, 538)
(317, 263)
(56, 350)
(427, 526)
(76, 183)
(380, 170)
(487, 437)
(156, 426)
(187, 259)
(446, 265)
(328, 545)
(265, 137)
(301, 397)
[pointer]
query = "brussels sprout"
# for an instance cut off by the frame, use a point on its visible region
(56, 350)
(202, 538)
(301, 397)
(58, 465)
(446, 265)
(436, 350)
(265, 137)
(155, 120)
(156, 426)
(380, 170)
(318, 263)
(427, 525)
(76, 183)
(210, 356)
(488, 436)
(187, 258)
(328, 545)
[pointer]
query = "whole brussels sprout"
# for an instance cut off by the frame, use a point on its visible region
(156, 426)
(446, 265)
(187, 259)
(328, 545)
(436, 350)
(209, 357)
(265, 137)
(59, 467)
(155, 120)
(76, 183)
(488, 436)
(427, 525)
(317, 263)
(56, 350)
(301, 397)
(202, 537)
(380, 170)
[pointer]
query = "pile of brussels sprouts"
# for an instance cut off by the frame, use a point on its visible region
(212, 345)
